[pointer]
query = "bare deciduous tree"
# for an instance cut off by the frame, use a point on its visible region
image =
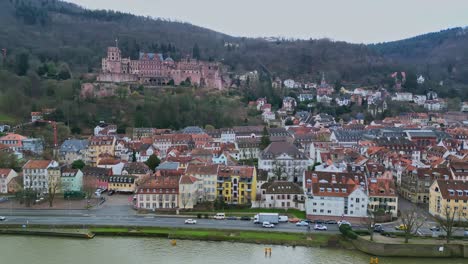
(448, 221)
(90, 184)
(54, 183)
(369, 223)
(412, 220)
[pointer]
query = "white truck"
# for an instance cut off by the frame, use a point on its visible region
(272, 218)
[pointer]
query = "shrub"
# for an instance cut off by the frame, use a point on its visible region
(206, 216)
(198, 216)
(347, 231)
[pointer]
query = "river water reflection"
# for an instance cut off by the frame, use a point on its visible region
(124, 250)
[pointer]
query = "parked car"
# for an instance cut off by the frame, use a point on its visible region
(378, 228)
(283, 219)
(111, 192)
(191, 221)
(220, 216)
(465, 233)
(320, 227)
(435, 228)
(319, 222)
(245, 218)
(231, 218)
(331, 222)
(2, 218)
(294, 220)
(401, 227)
(268, 225)
(302, 223)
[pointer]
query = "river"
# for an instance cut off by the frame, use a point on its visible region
(124, 250)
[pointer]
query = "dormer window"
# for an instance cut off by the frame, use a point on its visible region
(322, 189)
(451, 192)
(343, 190)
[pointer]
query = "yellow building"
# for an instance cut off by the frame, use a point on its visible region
(121, 183)
(237, 184)
(100, 146)
(448, 197)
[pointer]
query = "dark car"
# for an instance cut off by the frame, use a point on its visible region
(378, 228)
(111, 192)
(245, 218)
(331, 222)
(319, 222)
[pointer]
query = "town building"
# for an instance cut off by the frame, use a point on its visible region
(13, 141)
(158, 194)
(73, 149)
(207, 176)
(383, 196)
(154, 69)
(284, 160)
(71, 180)
(122, 183)
(99, 146)
(415, 183)
(449, 199)
(282, 195)
(6, 176)
(336, 196)
(190, 192)
(237, 184)
(39, 175)
(33, 145)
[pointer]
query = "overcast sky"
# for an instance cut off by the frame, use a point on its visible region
(358, 21)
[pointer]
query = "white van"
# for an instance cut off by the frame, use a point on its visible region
(283, 219)
(220, 216)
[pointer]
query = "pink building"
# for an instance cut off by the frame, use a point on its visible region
(153, 69)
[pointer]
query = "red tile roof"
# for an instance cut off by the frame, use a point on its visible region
(37, 164)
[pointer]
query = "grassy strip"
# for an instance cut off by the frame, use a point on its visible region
(293, 239)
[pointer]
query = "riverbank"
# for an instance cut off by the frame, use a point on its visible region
(70, 233)
(417, 248)
(241, 236)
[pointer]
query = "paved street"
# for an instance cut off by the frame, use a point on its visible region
(81, 218)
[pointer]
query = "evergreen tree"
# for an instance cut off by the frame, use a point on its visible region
(78, 164)
(265, 141)
(22, 64)
(196, 52)
(152, 162)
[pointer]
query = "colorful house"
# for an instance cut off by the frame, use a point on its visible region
(237, 184)
(72, 180)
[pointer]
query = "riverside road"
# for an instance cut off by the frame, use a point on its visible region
(149, 221)
(124, 217)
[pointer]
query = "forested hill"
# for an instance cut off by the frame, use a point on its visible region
(59, 31)
(440, 55)
(66, 34)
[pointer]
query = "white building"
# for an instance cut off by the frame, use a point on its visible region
(39, 174)
(228, 136)
(267, 116)
(419, 99)
(336, 196)
(283, 159)
(207, 176)
(403, 97)
(282, 195)
(289, 83)
(190, 188)
(6, 175)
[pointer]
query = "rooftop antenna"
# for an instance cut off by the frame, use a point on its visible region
(116, 42)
